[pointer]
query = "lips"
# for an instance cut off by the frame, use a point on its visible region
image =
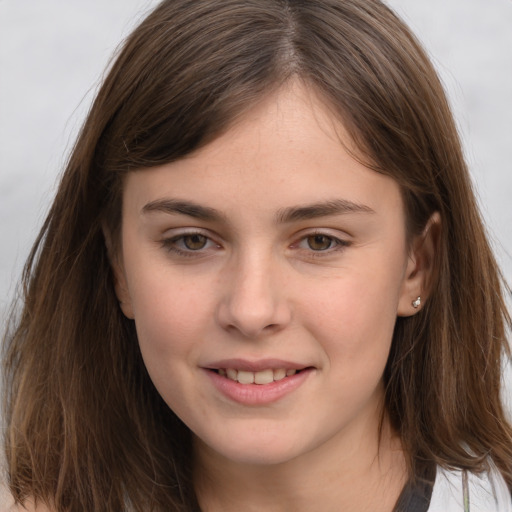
(257, 382)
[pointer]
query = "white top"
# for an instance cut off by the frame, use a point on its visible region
(484, 493)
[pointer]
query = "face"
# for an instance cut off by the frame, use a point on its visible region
(265, 273)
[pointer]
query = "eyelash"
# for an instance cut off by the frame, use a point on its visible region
(336, 244)
(170, 244)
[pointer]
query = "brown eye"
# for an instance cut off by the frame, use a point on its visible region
(195, 242)
(319, 242)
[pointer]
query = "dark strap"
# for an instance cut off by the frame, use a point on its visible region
(416, 496)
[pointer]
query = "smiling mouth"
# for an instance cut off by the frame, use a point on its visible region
(261, 377)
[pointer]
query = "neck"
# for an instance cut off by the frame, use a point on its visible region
(357, 473)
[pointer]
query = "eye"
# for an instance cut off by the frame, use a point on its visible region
(194, 242)
(319, 242)
(189, 244)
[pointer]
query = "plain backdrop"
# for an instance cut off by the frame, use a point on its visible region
(53, 53)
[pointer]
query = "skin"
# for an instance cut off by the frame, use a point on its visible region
(323, 292)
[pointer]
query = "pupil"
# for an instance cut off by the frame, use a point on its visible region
(319, 242)
(194, 242)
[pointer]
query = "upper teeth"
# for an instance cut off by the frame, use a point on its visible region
(262, 377)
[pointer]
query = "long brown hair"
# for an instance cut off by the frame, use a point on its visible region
(86, 430)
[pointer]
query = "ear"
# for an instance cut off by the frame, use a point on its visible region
(117, 266)
(421, 268)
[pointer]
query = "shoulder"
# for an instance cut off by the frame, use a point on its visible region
(7, 504)
(460, 491)
(27, 507)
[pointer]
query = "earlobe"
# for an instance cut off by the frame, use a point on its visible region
(421, 268)
(120, 284)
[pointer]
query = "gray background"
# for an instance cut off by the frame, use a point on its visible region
(53, 53)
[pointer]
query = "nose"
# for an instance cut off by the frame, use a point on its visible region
(253, 303)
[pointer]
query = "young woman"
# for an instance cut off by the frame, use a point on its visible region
(264, 283)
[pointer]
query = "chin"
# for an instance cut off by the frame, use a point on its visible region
(254, 451)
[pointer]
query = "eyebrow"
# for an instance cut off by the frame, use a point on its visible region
(175, 206)
(285, 215)
(323, 209)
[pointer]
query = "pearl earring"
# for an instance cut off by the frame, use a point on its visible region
(416, 303)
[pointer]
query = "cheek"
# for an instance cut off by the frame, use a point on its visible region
(354, 315)
(170, 330)
(169, 314)
(355, 330)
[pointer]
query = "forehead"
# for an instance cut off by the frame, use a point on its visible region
(289, 149)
